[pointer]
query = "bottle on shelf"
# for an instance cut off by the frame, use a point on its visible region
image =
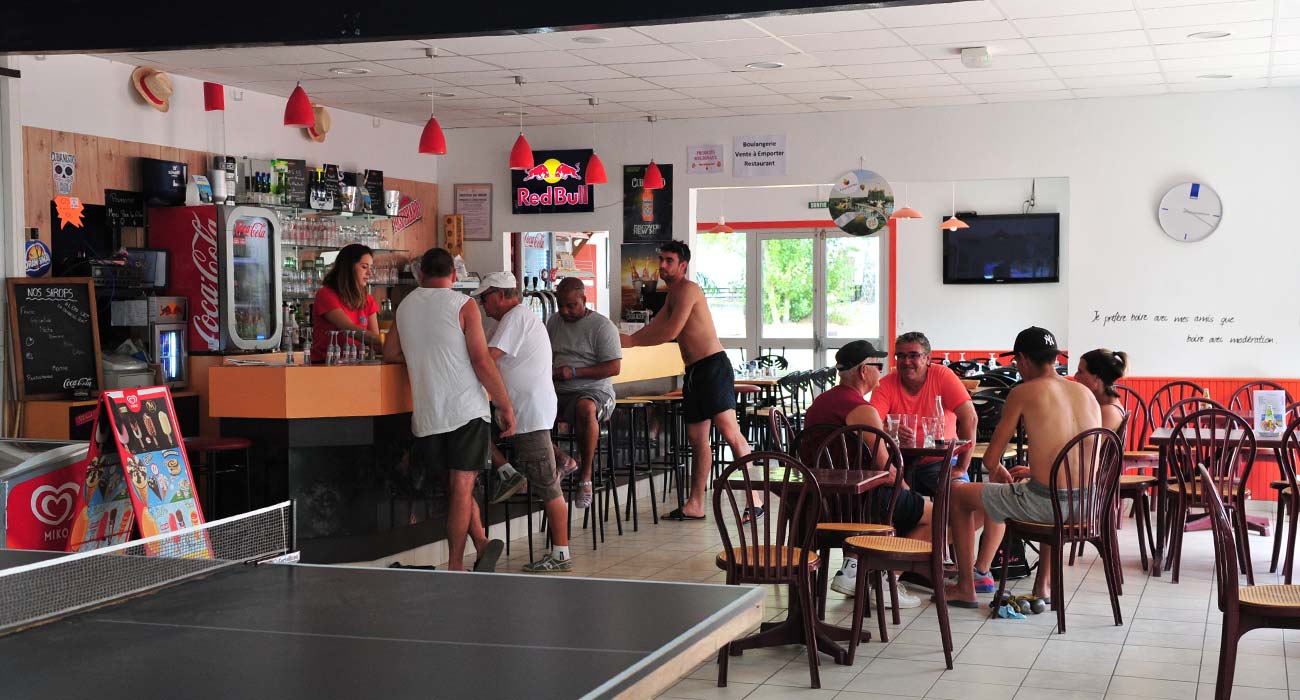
(386, 318)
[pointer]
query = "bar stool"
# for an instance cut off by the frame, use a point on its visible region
(637, 413)
(211, 449)
(603, 482)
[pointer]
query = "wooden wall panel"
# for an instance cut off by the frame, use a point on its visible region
(38, 184)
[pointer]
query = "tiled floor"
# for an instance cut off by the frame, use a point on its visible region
(1167, 647)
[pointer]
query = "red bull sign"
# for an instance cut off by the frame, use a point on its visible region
(554, 185)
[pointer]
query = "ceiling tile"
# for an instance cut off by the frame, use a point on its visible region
(702, 31)
(598, 86)
(947, 13)
(701, 80)
(441, 64)
(612, 36)
(603, 109)
(1080, 24)
(1129, 68)
(1017, 62)
(1288, 8)
(279, 88)
(926, 91)
(477, 45)
(1115, 80)
(1239, 30)
(758, 100)
(898, 81)
(1191, 76)
(1122, 91)
(257, 73)
(199, 58)
(390, 82)
(1220, 47)
(1286, 43)
(454, 90)
(855, 105)
(316, 85)
(637, 95)
(959, 33)
(535, 59)
(1214, 85)
(941, 101)
(529, 89)
(325, 70)
(837, 41)
(480, 77)
(1030, 96)
(1286, 27)
(1214, 64)
(653, 106)
(472, 123)
(790, 75)
(977, 77)
(865, 56)
(1090, 42)
(1286, 58)
(735, 47)
(696, 113)
(632, 54)
(1017, 9)
(1006, 47)
(1078, 58)
(789, 60)
(1019, 86)
(1242, 11)
(813, 23)
(662, 68)
(856, 95)
(820, 86)
(565, 98)
(726, 91)
(554, 119)
(883, 70)
(291, 55)
(380, 50)
(571, 73)
(778, 109)
(359, 97)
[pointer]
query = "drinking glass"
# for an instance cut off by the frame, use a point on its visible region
(931, 428)
(892, 422)
(907, 430)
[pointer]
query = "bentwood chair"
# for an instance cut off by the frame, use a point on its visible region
(880, 553)
(1243, 399)
(776, 549)
(1087, 468)
(1244, 609)
(781, 434)
(1288, 457)
(872, 513)
(1171, 393)
(1224, 443)
(1243, 404)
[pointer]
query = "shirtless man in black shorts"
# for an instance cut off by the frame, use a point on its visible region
(709, 393)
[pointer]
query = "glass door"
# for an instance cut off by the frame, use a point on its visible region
(789, 300)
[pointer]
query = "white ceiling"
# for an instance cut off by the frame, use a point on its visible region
(882, 59)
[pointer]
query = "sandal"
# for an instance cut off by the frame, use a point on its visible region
(584, 497)
(751, 513)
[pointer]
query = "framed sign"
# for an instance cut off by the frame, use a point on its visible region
(474, 202)
(54, 324)
(647, 214)
(555, 185)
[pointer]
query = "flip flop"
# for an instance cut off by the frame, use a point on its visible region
(752, 513)
(487, 559)
(955, 603)
(679, 516)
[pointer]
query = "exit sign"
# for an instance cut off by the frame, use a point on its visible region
(817, 205)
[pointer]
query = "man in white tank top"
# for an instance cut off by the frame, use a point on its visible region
(439, 336)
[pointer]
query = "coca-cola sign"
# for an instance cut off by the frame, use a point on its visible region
(251, 228)
(206, 320)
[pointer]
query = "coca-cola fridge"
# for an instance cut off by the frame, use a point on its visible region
(226, 260)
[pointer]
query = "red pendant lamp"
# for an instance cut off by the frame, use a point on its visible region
(521, 155)
(595, 169)
(906, 212)
(298, 111)
(432, 140)
(654, 180)
(953, 223)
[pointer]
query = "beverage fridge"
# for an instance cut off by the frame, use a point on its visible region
(226, 261)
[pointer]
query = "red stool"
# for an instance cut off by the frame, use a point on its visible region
(212, 448)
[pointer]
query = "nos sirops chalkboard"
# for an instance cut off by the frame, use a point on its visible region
(55, 331)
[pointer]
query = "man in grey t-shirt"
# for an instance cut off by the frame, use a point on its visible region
(586, 355)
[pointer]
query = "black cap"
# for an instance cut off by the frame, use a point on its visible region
(1033, 340)
(854, 354)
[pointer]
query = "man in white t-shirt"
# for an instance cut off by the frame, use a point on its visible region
(522, 351)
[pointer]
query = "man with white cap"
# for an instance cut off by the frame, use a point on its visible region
(522, 351)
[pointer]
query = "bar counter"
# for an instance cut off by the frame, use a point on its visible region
(336, 439)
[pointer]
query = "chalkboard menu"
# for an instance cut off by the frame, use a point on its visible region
(55, 331)
(124, 208)
(375, 187)
(332, 185)
(296, 173)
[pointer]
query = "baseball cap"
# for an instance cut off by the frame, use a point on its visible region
(1033, 340)
(495, 280)
(854, 354)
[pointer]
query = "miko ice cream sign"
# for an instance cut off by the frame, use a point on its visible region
(554, 185)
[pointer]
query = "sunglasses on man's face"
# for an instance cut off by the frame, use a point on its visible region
(880, 366)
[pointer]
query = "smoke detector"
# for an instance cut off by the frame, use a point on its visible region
(976, 57)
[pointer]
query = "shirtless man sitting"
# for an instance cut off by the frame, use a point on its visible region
(709, 392)
(1055, 411)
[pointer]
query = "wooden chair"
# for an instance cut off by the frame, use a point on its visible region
(1169, 394)
(1243, 399)
(1243, 404)
(1088, 465)
(1244, 609)
(1183, 408)
(781, 434)
(1134, 435)
(878, 553)
(775, 549)
(1229, 459)
(872, 513)
(1288, 457)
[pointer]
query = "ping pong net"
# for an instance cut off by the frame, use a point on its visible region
(45, 590)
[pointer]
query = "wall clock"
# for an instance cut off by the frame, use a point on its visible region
(1190, 212)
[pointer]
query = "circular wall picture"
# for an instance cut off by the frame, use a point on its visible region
(861, 203)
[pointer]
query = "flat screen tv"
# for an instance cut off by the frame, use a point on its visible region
(1003, 249)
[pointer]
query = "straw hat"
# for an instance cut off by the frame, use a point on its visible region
(154, 86)
(317, 133)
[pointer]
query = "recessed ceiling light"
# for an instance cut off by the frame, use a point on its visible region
(1215, 76)
(764, 65)
(349, 71)
(836, 98)
(589, 39)
(1215, 34)
(512, 113)
(437, 94)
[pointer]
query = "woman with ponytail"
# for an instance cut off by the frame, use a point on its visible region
(1098, 371)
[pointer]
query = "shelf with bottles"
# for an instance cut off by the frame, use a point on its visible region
(315, 246)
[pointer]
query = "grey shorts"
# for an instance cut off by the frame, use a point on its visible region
(567, 404)
(535, 459)
(1028, 501)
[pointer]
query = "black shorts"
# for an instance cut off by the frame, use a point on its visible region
(710, 388)
(908, 510)
(467, 449)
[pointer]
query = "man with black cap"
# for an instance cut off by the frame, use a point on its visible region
(845, 404)
(1054, 410)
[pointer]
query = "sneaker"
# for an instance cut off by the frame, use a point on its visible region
(509, 487)
(844, 584)
(584, 497)
(548, 565)
(984, 583)
(905, 599)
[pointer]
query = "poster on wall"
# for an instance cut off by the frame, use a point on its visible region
(639, 279)
(555, 185)
(861, 203)
(474, 202)
(705, 159)
(647, 214)
(758, 156)
(64, 167)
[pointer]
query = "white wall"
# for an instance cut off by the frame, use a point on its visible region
(1119, 154)
(89, 95)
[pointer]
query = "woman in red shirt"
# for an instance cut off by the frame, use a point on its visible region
(343, 302)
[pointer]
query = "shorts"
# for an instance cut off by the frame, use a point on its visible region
(1028, 501)
(466, 449)
(908, 511)
(924, 477)
(535, 459)
(567, 404)
(709, 389)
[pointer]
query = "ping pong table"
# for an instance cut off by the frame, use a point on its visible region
(300, 631)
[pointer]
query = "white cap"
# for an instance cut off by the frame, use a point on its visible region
(495, 280)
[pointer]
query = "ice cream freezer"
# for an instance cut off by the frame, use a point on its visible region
(39, 483)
